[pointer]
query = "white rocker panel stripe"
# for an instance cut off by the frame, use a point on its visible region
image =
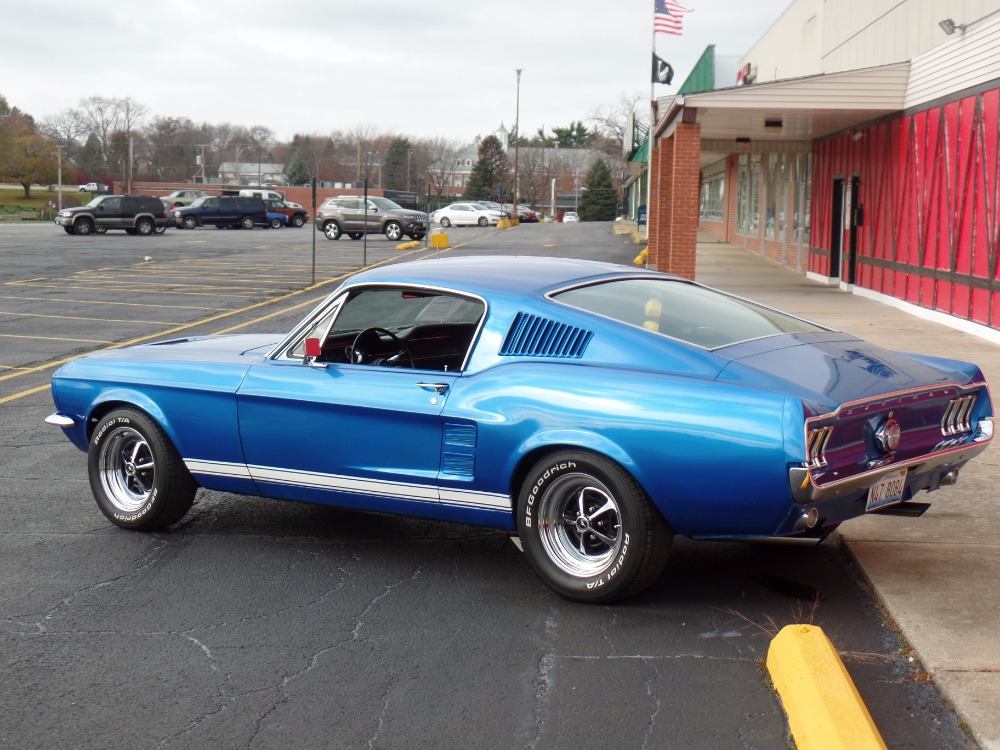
(217, 468)
(344, 484)
(357, 485)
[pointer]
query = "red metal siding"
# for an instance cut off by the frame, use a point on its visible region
(930, 186)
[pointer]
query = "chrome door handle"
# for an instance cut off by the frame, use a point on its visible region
(438, 388)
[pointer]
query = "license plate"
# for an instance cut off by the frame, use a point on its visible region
(887, 491)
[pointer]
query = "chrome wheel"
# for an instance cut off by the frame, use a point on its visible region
(580, 525)
(127, 469)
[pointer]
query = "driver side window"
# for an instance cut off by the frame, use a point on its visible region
(399, 327)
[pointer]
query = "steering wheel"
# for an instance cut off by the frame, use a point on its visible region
(363, 339)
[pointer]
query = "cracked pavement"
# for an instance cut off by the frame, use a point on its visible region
(257, 623)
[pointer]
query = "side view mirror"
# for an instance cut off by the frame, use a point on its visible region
(313, 352)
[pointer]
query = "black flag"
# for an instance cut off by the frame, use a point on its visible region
(662, 71)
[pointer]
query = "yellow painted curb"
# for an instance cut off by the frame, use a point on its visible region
(824, 708)
(408, 245)
(504, 224)
(640, 259)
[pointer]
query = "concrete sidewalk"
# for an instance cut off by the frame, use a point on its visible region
(937, 575)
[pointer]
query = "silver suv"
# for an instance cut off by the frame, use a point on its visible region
(345, 214)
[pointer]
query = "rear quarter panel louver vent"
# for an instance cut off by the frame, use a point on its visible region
(534, 336)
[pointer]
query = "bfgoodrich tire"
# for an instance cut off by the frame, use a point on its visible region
(136, 474)
(589, 530)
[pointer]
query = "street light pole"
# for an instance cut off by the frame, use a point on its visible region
(517, 141)
(408, 155)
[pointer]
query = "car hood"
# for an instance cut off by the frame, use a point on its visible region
(828, 369)
(231, 348)
(409, 213)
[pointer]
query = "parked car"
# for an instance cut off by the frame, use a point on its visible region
(186, 197)
(222, 211)
(169, 208)
(267, 195)
(570, 216)
(276, 220)
(592, 409)
(526, 215)
(294, 214)
(136, 214)
(466, 213)
(493, 205)
(346, 214)
(92, 187)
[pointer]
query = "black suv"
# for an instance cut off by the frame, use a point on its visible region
(222, 211)
(136, 214)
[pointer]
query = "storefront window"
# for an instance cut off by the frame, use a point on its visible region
(754, 218)
(743, 195)
(771, 196)
(782, 194)
(713, 181)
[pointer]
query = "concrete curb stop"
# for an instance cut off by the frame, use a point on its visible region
(824, 708)
(407, 246)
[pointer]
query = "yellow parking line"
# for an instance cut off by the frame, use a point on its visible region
(106, 302)
(51, 338)
(105, 289)
(22, 394)
(81, 317)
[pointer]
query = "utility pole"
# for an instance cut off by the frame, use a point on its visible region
(517, 141)
(59, 148)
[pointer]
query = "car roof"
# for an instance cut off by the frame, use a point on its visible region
(515, 275)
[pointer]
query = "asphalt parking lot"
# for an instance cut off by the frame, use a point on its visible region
(259, 623)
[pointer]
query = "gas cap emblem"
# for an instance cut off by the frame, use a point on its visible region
(887, 435)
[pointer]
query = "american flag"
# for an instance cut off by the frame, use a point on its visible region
(668, 17)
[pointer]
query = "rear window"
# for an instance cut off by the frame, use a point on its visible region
(699, 316)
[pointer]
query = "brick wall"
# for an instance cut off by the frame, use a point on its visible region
(674, 197)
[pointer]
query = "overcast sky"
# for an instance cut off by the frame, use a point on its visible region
(442, 68)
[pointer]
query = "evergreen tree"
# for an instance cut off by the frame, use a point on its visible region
(394, 166)
(90, 158)
(489, 172)
(298, 173)
(600, 201)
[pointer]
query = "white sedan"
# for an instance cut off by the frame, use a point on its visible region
(570, 216)
(468, 213)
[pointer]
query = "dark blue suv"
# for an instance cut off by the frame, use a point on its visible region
(222, 211)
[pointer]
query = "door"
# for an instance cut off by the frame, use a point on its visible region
(353, 213)
(360, 435)
(855, 220)
(108, 214)
(836, 228)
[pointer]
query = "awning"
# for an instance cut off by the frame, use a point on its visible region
(788, 115)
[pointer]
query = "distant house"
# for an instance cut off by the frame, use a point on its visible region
(538, 166)
(251, 173)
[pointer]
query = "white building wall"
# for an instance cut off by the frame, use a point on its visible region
(829, 36)
(964, 60)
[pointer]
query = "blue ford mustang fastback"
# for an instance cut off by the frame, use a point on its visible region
(592, 409)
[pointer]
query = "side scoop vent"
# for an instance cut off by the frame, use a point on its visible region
(533, 336)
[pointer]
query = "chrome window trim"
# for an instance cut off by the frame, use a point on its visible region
(337, 298)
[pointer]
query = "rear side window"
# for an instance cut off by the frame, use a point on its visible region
(700, 316)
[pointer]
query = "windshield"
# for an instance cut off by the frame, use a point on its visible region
(199, 201)
(386, 204)
(96, 201)
(700, 316)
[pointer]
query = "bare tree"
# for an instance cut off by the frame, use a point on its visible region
(611, 122)
(441, 155)
(103, 117)
(66, 129)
